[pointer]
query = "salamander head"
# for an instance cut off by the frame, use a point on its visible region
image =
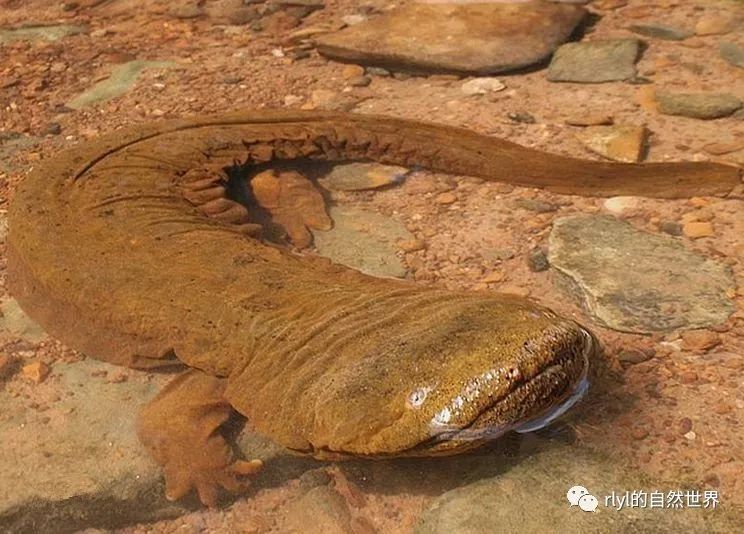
(447, 382)
(525, 394)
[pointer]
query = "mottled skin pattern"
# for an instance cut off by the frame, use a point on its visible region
(127, 249)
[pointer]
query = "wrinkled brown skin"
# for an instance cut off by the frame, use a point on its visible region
(126, 249)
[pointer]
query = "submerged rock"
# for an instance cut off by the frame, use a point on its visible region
(15, 322)
(657, 31)
(715, 24)
(482, 38)
(361, 176)
(622, 205)
(532, 496)
(595, 61)
(364, 240)
(80, 462)
(118, 83)
(537, 261)
(732, 53)
(39, 33)
(635, 281)
(698, 105)
(482, 86)
(323, 508)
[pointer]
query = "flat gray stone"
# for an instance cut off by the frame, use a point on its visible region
(39, 33)
(635, 281)
(698, 105)
(361, 176)
(732, 53)
(14, 321)
(657, 31)
(531, 496)
(595, 61)
(118, 83)
(78, 463)
(483, 38)
(364, 240)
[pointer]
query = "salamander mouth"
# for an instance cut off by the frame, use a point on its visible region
(485, 428)
(531, 403)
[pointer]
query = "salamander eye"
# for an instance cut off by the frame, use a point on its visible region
(417, 397)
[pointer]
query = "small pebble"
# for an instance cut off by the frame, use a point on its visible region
(700, 340)
(538, 206)
(351, 20)
(445, 198)
(672, 228)
(685, 425)
(619, 142)
(698, 202)
(293, 100)
(697, 216)
(713, 25)
(537, 260)
(482, 86)
(352, 71)
(596, 119)
(657, 31)
(53, 128)
(521, 117)
(621, 205)
(638, 433)
(696, 230)
(360, 81)
(297, 54)
(719, 149)
(493, 277)
(378, 71)
(36, 372)
(411, 245)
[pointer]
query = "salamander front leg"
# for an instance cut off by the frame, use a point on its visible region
(293, 203)
(180, 428)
